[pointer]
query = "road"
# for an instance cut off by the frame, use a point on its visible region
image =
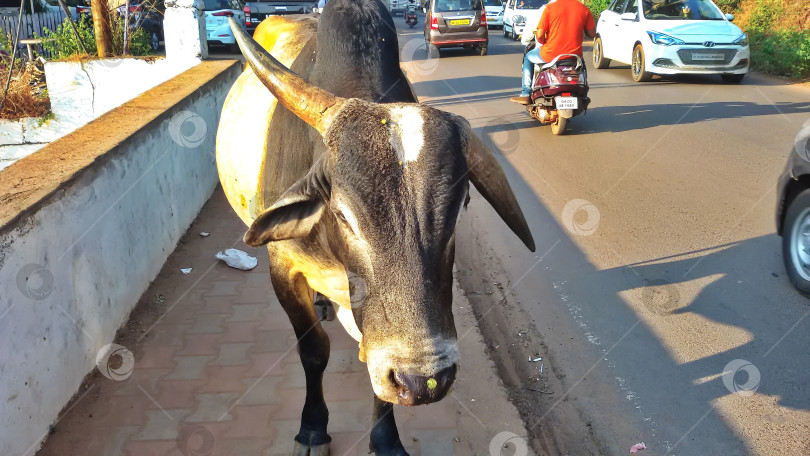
(657, 266)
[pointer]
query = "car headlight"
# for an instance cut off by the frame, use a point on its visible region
(742, 40)
(519, 20)
(663, 38)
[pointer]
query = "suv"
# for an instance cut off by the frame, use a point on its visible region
(456, 23)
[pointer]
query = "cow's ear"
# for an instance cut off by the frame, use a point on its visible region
(488, 178)
(295, 213)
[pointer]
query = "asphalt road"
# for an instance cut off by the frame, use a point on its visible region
(657, 289)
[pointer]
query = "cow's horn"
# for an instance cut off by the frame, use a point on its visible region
(489, 179)
(313, 105)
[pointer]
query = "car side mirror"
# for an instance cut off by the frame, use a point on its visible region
(730, 17)
(628, 17)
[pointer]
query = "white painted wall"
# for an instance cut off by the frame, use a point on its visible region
(71, 271)
(79, 93)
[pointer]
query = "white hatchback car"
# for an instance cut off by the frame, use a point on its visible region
(515, 13)
(218, 30)
(671, 37)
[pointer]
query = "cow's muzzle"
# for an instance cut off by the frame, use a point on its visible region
(420, 389)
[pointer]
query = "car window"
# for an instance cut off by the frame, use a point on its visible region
(693, 10)
(447, 6)
(530, 4)
(632, 7)
(618, 6)
(493, 3)
(213, 5)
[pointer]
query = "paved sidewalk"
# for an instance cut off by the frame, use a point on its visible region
(216, 372)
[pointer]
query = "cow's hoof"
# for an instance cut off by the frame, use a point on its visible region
(315, 450)
(395, 449)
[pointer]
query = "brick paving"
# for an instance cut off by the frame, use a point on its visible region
(216, 372)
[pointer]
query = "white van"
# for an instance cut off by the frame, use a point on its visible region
(397, 6)
(515, 13)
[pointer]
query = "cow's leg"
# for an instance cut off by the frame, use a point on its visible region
(384, 439)
(296, 298)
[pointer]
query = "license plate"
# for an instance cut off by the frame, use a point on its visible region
(460, 22)
(566, 102)
(709, 57)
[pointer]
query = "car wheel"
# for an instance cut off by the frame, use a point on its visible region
(515, 36)
(154, 40)
(599, 60)
(558, 126)
(796, 242)
(482, 50)
(505, 33)
(433, 51)
(732, 78)
(638, 66)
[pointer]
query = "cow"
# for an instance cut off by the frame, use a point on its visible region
(355, 189)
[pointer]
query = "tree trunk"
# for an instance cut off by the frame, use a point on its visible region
(101, 25)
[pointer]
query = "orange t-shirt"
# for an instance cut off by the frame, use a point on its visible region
(564, 22)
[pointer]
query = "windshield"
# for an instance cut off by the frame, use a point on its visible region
(213, 5)
(493, 3)
(447, 6)
(692, 10)
(530, 4)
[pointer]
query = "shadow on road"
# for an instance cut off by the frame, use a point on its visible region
(626, 118)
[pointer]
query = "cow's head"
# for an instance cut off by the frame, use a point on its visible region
(387, 195)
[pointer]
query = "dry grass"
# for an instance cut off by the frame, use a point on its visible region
(21, 102)
(795, 14)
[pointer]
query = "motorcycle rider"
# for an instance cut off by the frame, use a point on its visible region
(559, 31)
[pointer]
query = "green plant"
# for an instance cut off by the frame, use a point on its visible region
(728, 6)
(597, 6)
(785, 53)
(62, 43)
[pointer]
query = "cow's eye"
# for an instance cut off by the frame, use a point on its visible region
(341, 217)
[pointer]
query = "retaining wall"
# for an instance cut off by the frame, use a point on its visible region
(86, 223)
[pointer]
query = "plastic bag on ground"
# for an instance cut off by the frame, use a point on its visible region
(238, 259)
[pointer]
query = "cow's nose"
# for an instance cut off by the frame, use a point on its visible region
(418, 389)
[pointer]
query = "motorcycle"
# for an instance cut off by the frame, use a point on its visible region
(410, 16)
(559, 92)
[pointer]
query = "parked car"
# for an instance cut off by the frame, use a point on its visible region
(494, 10)
(257, 10)
(671, 37)
(515, 13)
(793, 212)
(218, 30)
(456, 23)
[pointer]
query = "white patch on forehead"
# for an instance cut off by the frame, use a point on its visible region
(407, 135)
